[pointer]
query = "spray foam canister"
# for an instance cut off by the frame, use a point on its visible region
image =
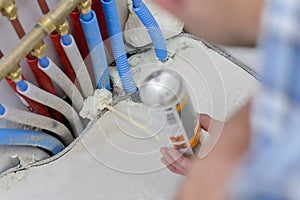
(167, 89)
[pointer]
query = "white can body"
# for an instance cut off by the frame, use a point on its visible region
(167, 89)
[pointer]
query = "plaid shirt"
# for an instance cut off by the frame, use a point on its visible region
(271, 170)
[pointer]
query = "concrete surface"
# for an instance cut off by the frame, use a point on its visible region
(108, 162)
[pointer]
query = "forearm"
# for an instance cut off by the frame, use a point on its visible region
(238, 129)
(208, 178)
(230, 22)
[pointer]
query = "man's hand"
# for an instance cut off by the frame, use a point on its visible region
(174, 160)
(210, 177)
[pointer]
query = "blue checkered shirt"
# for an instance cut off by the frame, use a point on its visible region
(271, 170)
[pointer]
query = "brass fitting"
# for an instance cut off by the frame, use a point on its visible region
(47, 24)
(39, 51)
(63, 28)
(16, 74)
(9, 9)
(2, 3)
(85, 7)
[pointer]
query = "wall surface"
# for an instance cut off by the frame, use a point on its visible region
(110, 162)
(105, 163)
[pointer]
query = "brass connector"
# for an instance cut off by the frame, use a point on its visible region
(47, 24)
(85, 7)
(9, 9)
(16, 74)
(63, 28)
(2, 3)
(39, 51)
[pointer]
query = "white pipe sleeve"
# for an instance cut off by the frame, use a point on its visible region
(12, 156)
(8, 162)
(59, 77)
(39, 121)
(79, 67)
(56, 103)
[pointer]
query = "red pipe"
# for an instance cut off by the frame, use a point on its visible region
(55, 37)
(81, 42)
(18, 27)
(43, 79)
(43, 6)
(44, 83)
(97, 7)
(63, 58)
(78, 34)
(32, 106)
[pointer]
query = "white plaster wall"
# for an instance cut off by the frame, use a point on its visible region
(78, 175)
(109, 161)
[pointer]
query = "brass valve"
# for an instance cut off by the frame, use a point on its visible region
(39, 51)
(16, 74)
(85, 7)
(9, 9)
(63, 28)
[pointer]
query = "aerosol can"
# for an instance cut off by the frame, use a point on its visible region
(167, 89)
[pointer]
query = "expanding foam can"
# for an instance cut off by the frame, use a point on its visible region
(167, 89)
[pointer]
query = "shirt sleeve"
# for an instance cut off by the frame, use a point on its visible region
(271, 169)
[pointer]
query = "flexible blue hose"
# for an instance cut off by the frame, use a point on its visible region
(117, 43)
(96, 47)
(2, 110)
(154, 31)
(30, 138)
(137, 3)
(44, 62)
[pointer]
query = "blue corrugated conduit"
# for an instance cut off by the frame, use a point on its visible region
(117, 43)
(30, 138)
(152, 26)
(96, 47)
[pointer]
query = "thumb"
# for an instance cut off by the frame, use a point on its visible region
(204, 120)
